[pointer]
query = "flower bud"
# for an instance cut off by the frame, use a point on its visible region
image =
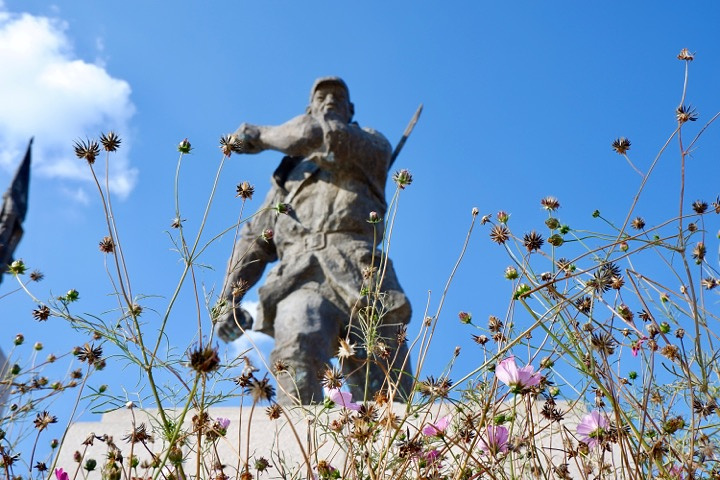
(373, 217)
(184, 146)
(267, 234)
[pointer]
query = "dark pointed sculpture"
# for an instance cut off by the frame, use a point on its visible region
(13, 210)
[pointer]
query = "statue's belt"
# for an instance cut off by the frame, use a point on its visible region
(319, 240)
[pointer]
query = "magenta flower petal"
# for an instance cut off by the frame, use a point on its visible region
(223, 422)
(344, 399)
(592, 427)
(518, 379)
(496, 440)
(436, 428)
(61, 474)
(507, 371)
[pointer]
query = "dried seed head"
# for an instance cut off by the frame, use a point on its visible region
(499, 234)
(699, 252)
(533, 241)
(43, 420)
(110, 141)
(621, 145)
(671, 352)
(401, 334)
(435, 388)
(345, 349)
(332, 377)
(204, 359)
(240, 287)
(107, 245)
(138, 435)
(245, 190)
(494, 324)
(480, 339)
(705, 409)
(685, 113)
(584, 304)
(36, 275)
(274, 411)
(550, 203)
(699, 206)
(638, 223)
(280, 366)
(89, 353)
(232, 144)
(564, 264)
(716, 205)
(87, 149)
(260, 390)
(41, 313)
(685, 55)
(709, 283)
(402, 178)
(603, 343)
(625, 312)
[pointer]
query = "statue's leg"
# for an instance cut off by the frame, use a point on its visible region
(389, 366)
(307, 327)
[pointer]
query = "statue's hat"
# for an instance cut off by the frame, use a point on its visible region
(326, 80)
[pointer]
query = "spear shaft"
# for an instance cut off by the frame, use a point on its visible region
(406, 134)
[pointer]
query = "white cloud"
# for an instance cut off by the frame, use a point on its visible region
(49, 93)
(244, 344)
(78, 195)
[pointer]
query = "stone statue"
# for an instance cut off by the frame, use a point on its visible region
(328, 194)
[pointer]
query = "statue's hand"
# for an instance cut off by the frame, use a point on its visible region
(249, 135)
(227, 328)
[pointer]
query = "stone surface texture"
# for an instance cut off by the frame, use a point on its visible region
(305, 432)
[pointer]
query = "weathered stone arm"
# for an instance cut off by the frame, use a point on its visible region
(297, 137)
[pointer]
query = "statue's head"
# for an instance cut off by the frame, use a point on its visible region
(331, 95)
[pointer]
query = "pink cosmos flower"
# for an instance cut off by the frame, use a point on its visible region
(496, 440)
(61, 474)
(223, 423)
(437, 428)
(518, 379)
(344, 399)
(432, 457)
(676, 472)
(592, 428)
(637, 345)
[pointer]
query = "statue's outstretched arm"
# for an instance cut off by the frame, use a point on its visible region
(297, 137)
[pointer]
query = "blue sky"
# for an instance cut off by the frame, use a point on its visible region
(522, 100)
